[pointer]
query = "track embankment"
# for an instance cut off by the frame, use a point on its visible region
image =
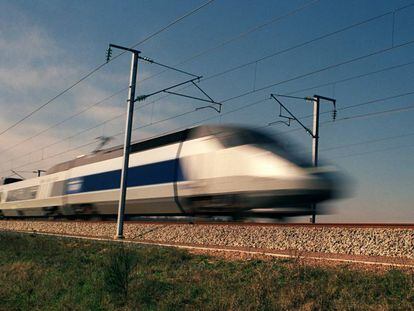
(360, 242)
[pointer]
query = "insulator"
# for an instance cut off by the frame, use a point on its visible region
(141, 98)
(148, 59)
(108, 54)
(334, 114)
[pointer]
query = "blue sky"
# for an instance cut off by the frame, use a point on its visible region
(47, 45)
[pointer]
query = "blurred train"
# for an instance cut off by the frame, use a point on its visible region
(205, 170)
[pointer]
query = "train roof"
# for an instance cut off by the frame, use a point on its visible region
(159, 141)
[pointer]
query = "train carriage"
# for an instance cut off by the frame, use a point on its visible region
(212, 170)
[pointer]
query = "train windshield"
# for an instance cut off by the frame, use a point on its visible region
(237, 137)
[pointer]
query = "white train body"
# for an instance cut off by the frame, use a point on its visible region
(202, 170)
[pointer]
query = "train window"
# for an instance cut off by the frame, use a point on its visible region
(22, 194)
(10, 180)
(233, 138)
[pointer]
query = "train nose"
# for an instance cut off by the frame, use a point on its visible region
(330, 181)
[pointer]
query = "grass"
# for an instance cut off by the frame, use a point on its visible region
(45, 273)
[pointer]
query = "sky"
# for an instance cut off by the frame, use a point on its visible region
(358, 52)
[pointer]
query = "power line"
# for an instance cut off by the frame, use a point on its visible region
(372, 101)
(319, 70)
(376, 113)
(338, 157)
(223, 113)
(102, 65)
(249, 63)
(172, 23)
(83, 131)
(192, 111)
(117, 134)
(308, 116)
(258, 27)
(308, 73)
(359, 116)
(363, 75)
(371, 141)
(288, 93)
(94, 142)
(232, 39)
(238, 36)
(243, 107)
(336, 82)
(375, 151)
(302, 44)
(378, 100)
(254, 29)
(263, 100)
(142, 41)
(323, 69)
(64, 120)
(324, 36)
(336, 65)
(267, 99)
(359, 104)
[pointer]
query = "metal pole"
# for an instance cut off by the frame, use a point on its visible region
(315, 131)
(127, 143)
(315, 142)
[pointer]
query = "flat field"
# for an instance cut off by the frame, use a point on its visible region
(49, 273)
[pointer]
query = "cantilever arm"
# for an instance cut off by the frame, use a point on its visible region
(167, 90)
(293, 117)
(142, 97)
(218, 110)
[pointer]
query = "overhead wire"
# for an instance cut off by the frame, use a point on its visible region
(231, 111)
(364, 103)
(326, 68)
(381, 51)
(337, 157)
(371, 141)
(238, 36)
(237, 109)
(377, 113)
(191, 111)
(319, 70)
(363, 75)
(97, 68)
(255, 61)
(15, 145)
(303, 44)
(288, 93)
(359, 116)
(117, 134)
(376, 151)
(151, 36)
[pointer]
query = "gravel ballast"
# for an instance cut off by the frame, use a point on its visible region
(389, 242)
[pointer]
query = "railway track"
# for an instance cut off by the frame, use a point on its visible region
(380, 244)
(239, 252)
(232, 223)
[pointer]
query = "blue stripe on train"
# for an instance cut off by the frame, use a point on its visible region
(149, 174)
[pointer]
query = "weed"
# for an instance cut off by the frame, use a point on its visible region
(117, 273)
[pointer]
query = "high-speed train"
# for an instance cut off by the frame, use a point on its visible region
(205, 170)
